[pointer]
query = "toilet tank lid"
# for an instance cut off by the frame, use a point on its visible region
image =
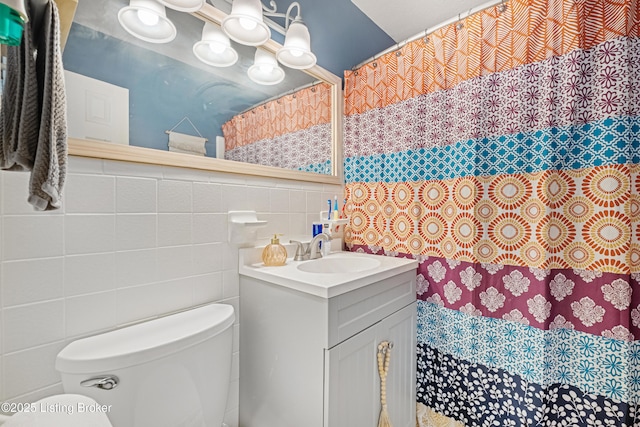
(143, 342)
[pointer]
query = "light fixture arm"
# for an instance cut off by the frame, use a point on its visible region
(273, 9)
(287, 16)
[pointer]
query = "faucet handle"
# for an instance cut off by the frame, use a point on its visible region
(300, 250)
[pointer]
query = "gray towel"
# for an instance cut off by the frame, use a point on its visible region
(19, 115)
(33, 121)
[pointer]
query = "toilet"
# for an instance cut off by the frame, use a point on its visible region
(60, 410)
(168, 372)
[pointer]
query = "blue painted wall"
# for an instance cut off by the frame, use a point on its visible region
(341, 35)
(161, 90)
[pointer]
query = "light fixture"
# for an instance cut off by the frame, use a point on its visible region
(147, 20)
(183, 5)
(245, 24)
(215, 48)
(265, 69)
(296, 52)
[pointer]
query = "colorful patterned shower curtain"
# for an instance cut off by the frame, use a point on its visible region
(504, 154)
(292, 132)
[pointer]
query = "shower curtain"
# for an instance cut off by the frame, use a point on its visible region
(292, 132)
(503, 153)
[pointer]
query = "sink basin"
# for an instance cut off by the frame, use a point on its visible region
(327, 277)
(336, 265)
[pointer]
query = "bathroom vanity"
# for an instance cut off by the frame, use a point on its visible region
(309, 333)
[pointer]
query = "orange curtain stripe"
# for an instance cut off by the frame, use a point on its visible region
(294, 112)
(488, 42)
(463, 218)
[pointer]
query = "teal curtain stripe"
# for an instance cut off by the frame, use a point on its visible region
(322, 168)
(614, 140)
(594, 364)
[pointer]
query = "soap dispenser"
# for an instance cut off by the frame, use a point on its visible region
(274, 254)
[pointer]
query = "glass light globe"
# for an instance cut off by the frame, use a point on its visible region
(247, 24)
(215, 48)
(148, 18)
(296, 52)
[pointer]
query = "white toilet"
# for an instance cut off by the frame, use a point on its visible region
(60, 410)
(168, 372)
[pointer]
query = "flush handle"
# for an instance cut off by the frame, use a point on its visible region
(107, 382)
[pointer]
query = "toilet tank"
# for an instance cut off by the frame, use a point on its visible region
(171, 371)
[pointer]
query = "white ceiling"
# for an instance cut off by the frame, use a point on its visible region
(409, 17)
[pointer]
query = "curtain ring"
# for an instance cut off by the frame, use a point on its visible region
(503, 7)
(459, 25)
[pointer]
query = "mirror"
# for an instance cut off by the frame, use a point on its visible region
(145, 102)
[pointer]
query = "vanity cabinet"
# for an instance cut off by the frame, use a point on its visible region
(308, 360)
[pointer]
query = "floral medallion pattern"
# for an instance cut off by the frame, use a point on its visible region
(588, 301)
(589, 219)
(481, 396)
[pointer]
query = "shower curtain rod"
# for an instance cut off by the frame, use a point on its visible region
(428, 31)
(289, 92)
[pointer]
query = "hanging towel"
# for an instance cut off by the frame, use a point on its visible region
(50, 166)
(34, 128)
(19, 115)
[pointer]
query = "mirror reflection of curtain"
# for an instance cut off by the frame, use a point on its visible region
(503, 155)
(292, 131)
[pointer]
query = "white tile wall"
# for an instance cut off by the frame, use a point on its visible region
(100, 267)
(131, 242)
(136, 195)
(32, 236)
(32, 280)
(79, 185)
(136, 231)
(88, 234)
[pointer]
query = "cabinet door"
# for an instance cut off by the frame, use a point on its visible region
(400, 329)
(353, 382)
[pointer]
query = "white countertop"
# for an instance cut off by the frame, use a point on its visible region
(325, 285)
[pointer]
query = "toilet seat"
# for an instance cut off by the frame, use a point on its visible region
(62, 410)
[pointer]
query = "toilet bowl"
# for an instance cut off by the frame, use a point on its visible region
(61, 410)
(168, 372)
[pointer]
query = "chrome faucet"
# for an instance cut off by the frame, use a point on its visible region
(310, 251)
(314, 246)
(302, 251)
